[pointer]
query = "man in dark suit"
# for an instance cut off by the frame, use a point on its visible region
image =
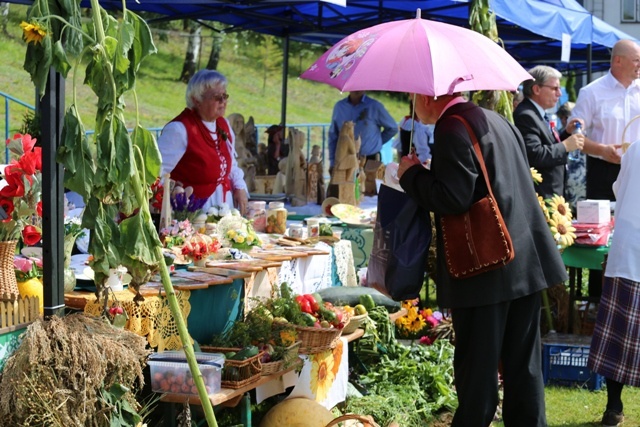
(496, 314)
(546, 149)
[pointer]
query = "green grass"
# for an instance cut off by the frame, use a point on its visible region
(575, 407)
(161, 94)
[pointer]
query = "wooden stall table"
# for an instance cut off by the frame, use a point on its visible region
(576, 258)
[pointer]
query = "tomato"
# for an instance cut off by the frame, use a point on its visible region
(305, 307)
(315, 306)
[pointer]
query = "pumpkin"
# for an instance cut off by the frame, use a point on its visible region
(32, 288)
(297, 412)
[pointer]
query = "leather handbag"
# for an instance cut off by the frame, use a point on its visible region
(478, 240)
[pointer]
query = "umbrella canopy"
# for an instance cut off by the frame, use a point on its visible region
(417, 56)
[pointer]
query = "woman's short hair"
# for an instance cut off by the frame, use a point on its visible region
(540, 74)
(200, 82)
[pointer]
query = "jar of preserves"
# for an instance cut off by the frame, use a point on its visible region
(257, 212)
(276, 218)
(313, 227)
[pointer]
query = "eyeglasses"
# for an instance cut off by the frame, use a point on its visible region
(221, 97)
(553, 88)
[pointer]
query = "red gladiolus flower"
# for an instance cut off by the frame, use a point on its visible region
(38, 152)
(7, 205)
(39, 208)
(31, 235)
(29, 162)
(27, 142)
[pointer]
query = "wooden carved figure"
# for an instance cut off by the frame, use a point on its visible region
(315, 178)
(246, 160)
(346, 164)
(296, 169)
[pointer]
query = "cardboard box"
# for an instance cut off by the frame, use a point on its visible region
(594, 211)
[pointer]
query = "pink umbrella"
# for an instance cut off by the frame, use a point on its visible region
(417, 56)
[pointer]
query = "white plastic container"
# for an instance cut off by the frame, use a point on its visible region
(313, 228)
(170, 372)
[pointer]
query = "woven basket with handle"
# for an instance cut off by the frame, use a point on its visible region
(367, 420)
(8, 282)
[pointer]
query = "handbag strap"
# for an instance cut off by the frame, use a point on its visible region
(476, 147)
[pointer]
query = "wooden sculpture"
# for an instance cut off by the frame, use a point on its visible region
(315, 178)
(346, 164)
(296, 169)
(246, 160)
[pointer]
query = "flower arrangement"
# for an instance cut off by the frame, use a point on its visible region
(237, 232)
(20, 198)
(185, 204)
(558, 215)
(27, 268)
(198, 246)
(176, 233)
(216, 213)
(418, 324)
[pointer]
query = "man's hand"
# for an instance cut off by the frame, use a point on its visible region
(406, 162)
(610, 153)
(240, 200)
(574, 142)
(571, 125)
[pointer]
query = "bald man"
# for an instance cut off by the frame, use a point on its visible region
(607, 105)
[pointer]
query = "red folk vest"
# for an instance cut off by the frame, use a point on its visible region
(207, 163)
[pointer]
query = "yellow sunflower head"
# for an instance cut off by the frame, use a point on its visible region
(559, 205)
(537, 178)
(543, 206)
(562, 230)
(33, 32)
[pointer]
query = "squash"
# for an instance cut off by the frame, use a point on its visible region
(297, 412)
(32, 288)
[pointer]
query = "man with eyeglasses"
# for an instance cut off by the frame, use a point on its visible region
(547, 150)
(197, 146)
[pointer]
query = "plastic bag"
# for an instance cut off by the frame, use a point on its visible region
(401, 239)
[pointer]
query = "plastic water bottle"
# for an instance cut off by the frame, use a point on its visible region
(575, 154)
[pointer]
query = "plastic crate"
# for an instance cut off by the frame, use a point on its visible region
(564, 361)
(170, 372)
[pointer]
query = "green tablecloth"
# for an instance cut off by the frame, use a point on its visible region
(590, 257)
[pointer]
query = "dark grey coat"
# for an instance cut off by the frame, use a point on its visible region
(455, 182)
(544, 153)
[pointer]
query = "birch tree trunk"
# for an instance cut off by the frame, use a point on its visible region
(214, 57)
(193, 52)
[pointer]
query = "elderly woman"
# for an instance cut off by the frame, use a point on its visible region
(197, 146)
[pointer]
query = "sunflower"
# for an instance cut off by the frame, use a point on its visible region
(559, 205)
(543, 206)
(322, 375)
(337, 357)
(33, 32)
(563, 231)
(537, 178)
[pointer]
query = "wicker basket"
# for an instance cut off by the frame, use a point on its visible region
(289, 357)
(237, 373)
(8, 282)
(354, 323)
(366, 420)
(316, 340)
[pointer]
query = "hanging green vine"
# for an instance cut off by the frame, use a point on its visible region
(113, 169)
(483, 21)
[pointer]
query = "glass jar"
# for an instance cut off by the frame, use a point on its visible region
(296, 230)
(313, 228)
(257, 212)
(276, 218)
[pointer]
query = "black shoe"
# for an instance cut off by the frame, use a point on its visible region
(612, 418)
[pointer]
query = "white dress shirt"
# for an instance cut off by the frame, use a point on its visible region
(606, 107)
